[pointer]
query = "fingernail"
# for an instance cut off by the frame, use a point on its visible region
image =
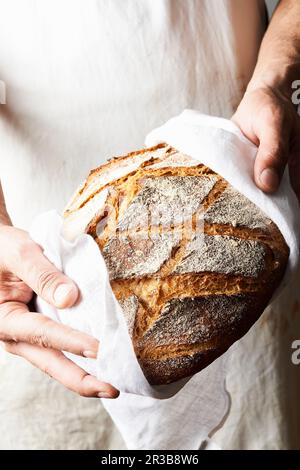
(104, 395)
(100, 389)
(269, 179)
(65, 295)
(90, 354)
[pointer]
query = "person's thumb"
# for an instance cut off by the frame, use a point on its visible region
(27, 261)
(49, 283)
(272, 154)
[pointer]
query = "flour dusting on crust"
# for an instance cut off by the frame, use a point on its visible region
(192, 320)
(167, 200)
(133, 256)
(222, 254)
(235, 209)
(130, 307)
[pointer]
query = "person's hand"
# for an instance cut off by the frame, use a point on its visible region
(24, 270)
(270, 120)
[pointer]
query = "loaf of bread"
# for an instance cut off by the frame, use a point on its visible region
(192, 262)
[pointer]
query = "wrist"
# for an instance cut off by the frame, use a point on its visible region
(279, 78)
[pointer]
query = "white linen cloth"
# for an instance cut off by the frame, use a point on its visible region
(87, 80)
(203, 402)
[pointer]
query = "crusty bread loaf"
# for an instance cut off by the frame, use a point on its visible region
(192, 262)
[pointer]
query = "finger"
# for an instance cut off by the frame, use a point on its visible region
(55, 364)
(25, 259)
(18, 324)
(12, 288)
(273, 134)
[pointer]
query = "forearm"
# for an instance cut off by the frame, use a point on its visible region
(278, 63)
(4, 217)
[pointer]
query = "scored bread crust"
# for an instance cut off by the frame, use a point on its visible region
(187, 294)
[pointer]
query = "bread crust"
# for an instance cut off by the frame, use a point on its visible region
(189, 286)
